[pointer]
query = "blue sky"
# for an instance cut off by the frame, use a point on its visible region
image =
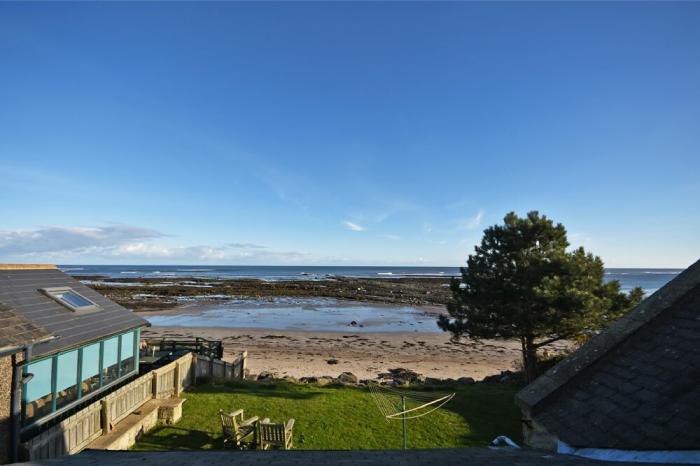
(341, 133)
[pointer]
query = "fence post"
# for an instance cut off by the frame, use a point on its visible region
(244, 358)
(176, 379)
(104, 416)
(194, 369)
(155, 384)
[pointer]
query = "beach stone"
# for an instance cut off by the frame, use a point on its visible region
(401, 376)
(432, 381)
(290, 379)
(348, 377)
(325, 380)
(331, 361)
(308, 380)
(266, 375)
(466, 380)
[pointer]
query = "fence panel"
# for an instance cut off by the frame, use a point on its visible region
(128, 398)
(67, 437)
(235, 370)
(164, 381)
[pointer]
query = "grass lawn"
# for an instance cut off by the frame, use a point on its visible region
(340, 417)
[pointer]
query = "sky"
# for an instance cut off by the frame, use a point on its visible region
(345, 133)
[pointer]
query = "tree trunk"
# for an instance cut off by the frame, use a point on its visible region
(529, 358)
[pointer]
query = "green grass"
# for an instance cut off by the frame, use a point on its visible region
(340, 417)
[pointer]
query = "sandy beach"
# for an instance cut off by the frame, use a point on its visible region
(270, 320)
(366, 355)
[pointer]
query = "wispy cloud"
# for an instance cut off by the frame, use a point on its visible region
(353, 226)
(246, 246)
(120, 243)
(474, 222)
(392, 237)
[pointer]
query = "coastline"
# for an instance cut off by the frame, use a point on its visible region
(367, 355)
(302, 353)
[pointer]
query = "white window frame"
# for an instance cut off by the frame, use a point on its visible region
(54, 292)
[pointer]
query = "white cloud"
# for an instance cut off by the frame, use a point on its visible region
(472, 223)
(246, 246)
(353, 226)
(52, 239)
(126, 244)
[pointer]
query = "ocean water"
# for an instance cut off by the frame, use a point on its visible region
(649, 279)
(306, 314)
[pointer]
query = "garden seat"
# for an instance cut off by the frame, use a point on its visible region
(275, 435)
(237, 431)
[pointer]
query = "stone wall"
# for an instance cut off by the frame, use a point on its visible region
(5, 408)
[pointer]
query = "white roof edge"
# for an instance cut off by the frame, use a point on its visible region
(632, 456)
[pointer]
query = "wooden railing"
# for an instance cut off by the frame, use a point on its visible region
(217, 369)
(67, 437)
(77, 431)
(119, 404)
(201, 346)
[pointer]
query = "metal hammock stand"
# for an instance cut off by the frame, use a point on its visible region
(402, 404)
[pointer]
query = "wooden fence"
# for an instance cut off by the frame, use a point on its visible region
(119, 404)
(77, 431)
(67, 437)
(217, 369)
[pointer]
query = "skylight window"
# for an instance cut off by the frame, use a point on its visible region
(71, 299)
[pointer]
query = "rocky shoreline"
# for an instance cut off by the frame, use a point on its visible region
(154, 294)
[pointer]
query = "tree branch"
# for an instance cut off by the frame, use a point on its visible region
(551, 340)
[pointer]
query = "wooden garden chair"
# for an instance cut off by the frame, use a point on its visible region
(237, 431)
(275, 435)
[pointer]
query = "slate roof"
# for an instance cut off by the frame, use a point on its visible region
(635, 386)
(16, 332)
(20, 289)
(442, 457)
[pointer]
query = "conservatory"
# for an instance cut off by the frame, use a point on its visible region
(58, 381)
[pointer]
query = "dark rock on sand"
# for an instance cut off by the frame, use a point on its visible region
(348, 377)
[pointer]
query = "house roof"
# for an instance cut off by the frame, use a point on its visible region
(16, 332)
(634, 386)
(20, 289)
(415, 457)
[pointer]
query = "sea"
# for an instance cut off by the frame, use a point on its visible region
(649, 279)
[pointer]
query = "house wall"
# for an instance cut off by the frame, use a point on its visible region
(536, 436)
(5, 408)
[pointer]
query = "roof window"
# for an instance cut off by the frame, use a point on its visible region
(71, 299)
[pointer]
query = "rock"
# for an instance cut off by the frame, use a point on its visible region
(465, 381)
(290, 379)
(308, 380)
(331, 361)
(353, 323)
(348, 377)
(325, 380)
(401, 376)
(433, 381)
(265, 375)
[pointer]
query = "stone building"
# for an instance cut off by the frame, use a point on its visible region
(633, 390)
(16, 335)
(61, 344)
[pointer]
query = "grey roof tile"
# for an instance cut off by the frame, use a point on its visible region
(640, 393)
(21, 290)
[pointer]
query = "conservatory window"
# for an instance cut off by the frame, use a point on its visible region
(38, 391)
